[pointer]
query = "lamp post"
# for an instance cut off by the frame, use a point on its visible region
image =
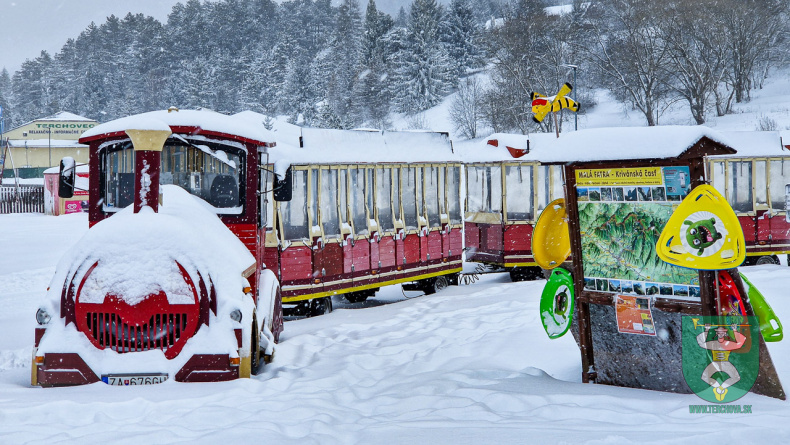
(575, 115)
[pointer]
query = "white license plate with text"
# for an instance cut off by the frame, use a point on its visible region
(133, 379)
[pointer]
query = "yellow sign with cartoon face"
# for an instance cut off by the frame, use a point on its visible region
(703, 233)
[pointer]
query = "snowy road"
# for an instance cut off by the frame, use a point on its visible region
(470, 365)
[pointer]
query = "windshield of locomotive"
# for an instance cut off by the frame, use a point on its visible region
(210, 171)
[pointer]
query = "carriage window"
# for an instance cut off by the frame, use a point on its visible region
(780, 177)
(760, 183)
(343, 196)
(718, 173)
(495, 204)
(328, 198)
(370, 190)
(453, 194)
(384, 198)
(518, 179)
(442, 186)
(432, 195)
(408, 187)
(314, 196)
(740, 186)
(475, 178)
(418, 187)
(357, 188)
(213, 173)
(294, 212)
(396, 193)
(557, 183)
(118, 177)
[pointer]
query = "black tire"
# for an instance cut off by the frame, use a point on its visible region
(356, 297)
(320, 306)
(435, 285)
(767, 259)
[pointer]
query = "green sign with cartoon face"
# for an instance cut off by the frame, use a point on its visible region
(721, 356)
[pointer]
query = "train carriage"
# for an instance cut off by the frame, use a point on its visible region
(755, 182)
(170, 281)
(507, 187)
(368, 209)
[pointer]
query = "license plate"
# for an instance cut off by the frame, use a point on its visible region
(133, 379)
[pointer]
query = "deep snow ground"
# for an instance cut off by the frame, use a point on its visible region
(469, 365)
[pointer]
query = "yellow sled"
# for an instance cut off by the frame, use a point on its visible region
(551, 241)
(703, 233)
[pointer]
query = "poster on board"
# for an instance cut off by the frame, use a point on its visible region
(634, 315)
(621, 214)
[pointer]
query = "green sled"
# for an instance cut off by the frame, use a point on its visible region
(556, 303)
(764, 313)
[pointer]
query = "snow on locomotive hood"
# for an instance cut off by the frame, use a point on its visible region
(137, 253)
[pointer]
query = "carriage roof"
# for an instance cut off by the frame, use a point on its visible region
(756, 144)
(299, 145)
(596, 144)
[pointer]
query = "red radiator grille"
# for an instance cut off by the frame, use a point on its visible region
(160, 332)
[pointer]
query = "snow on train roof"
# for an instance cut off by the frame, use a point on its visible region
(755, 143)
(303, 145)
(596, 144)
(206, 119)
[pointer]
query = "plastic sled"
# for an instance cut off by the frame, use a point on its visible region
(556, 303)
(770, 326)
(551, 241)
(703, 233)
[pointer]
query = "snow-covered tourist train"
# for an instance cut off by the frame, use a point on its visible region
(507, 187)
(169, 282)
(756, 183)
(368, 209)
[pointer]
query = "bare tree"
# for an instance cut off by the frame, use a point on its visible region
(631, 55)
(696, 52)
(466, 109)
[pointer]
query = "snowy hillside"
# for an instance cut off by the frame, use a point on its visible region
(769, 109)
(469, 365)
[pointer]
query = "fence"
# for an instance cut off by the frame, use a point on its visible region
(25, 199)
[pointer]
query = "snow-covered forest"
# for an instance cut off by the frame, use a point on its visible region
(351, 65)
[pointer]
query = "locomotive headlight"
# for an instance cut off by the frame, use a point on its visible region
(42, 317)
(236, 316)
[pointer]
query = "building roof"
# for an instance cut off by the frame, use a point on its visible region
(59, 116)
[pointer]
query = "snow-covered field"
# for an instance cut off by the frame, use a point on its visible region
(467, 366)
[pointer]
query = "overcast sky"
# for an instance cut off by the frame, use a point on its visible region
(29, 26)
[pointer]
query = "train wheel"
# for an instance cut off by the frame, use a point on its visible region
(768, 259)
(435, 285)
(320, 306)
(356, 297)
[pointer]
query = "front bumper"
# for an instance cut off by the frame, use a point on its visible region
(67, 369)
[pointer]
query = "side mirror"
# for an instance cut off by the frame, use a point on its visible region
(68, 173)
(283, 188)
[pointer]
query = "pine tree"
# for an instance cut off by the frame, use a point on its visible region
(346, 49)
(424, 72)
(460, 33)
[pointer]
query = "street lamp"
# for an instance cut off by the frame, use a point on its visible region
(575, 115)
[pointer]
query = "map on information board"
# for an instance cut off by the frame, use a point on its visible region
(621, 214)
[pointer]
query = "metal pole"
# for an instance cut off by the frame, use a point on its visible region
(49, 142)
(575, 115)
